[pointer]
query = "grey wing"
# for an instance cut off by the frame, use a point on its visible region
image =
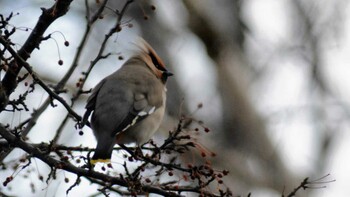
(118, 105)
(90, 105)
(111, 105)
(140, 109)
(92, 98)
(147, 98)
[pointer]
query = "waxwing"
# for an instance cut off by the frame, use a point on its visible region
(128, 105)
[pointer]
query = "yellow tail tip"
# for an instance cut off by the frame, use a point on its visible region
(94, 161)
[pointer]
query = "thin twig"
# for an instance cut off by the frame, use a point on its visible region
(38, 80)
(17, 142)
(48, 16)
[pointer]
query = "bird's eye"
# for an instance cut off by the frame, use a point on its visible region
(159, 67)
(156, 62)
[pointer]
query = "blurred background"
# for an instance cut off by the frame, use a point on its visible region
(272, 76)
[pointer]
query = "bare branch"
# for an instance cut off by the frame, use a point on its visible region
(39, 81)
(47, 17)
(17, 142)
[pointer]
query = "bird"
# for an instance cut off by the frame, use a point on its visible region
(128, 106)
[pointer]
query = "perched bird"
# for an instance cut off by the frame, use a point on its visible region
(128, 105)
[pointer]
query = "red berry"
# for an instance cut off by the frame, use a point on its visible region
(170, 173)
(9, 178)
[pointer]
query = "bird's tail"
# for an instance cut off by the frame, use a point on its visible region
(103, 152)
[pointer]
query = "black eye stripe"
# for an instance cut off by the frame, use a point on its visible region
(156, 63)
(159, 67)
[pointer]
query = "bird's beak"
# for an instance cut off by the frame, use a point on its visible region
(167, 73)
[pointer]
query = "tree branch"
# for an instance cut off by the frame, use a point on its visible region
(52, 94)
(35, 152)
(48, 16)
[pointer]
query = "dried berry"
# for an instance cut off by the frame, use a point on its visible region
(185, 177)
(225, 172)
(9, 178)
(118, 29)
(170, 173)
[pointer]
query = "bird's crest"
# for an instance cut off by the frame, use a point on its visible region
(149, 55)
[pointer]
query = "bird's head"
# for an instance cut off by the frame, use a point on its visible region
(153, 61)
